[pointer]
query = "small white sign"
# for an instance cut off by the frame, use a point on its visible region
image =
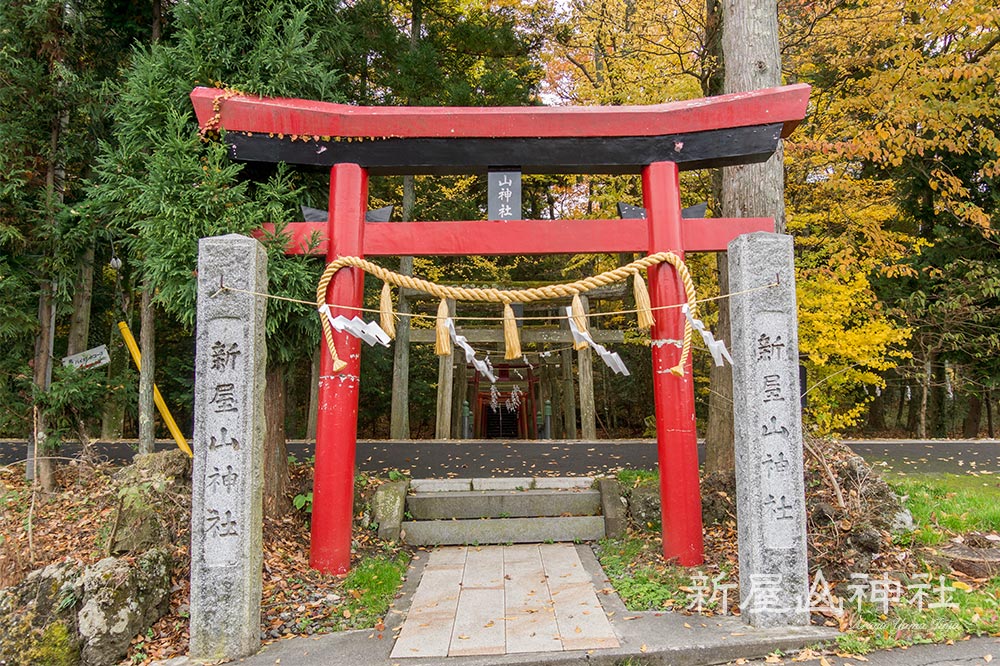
(92, 358)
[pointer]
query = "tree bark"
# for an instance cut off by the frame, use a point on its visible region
(113, 415)
(157, 25)
(313, 410)
(876, 412)
(147, 349)
(585, 378)
(79, 325)
(989, 413)
(568, 395)
(43, 469)
(276, 503)
(751, 61)
(925, 387)
(938, 410)
(399, 416)
(720, 452)
(719, 433)
(973, 418)
(913, 414)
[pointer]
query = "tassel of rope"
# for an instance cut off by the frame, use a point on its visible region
(531, 295)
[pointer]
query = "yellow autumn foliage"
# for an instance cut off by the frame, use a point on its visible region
(845, 339)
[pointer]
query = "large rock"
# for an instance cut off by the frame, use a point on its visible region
(388, 507)
(143, 487)
(644, 506)
(120, 601)
(70, 615)
(38, 617)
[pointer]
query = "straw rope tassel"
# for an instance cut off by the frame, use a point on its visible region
(580, 319)
(442, 346)
(511, 338)
(642, 305)
(387, 320)
(324, 282)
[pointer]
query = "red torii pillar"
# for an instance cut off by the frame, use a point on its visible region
(656, 141)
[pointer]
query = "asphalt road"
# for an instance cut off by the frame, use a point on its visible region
(468, 458)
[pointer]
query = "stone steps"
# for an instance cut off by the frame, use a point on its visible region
(502, 530)
(503, 510)
(503, 504)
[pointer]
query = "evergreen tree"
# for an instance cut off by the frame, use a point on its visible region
(54, 59)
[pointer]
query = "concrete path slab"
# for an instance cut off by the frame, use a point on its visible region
(430, 623)
(644, 637)
(498, 600)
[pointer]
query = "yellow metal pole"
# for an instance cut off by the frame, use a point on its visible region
(157, 398)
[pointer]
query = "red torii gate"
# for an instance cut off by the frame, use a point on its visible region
(657, 141)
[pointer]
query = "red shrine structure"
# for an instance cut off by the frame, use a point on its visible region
(656, 141)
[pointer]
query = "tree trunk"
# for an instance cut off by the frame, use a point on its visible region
(276, 503)
(913, 414)
(568, 395)
(79, 325)
(876, 413)
(989, 413)
(157, 27)
(720, 452)
(460, 389)
(55, 184)
(751, 62)
(973, 418)
(399, 416)
(79, 334)
(938, 410)
(313, 412)
(43, 469)
(925, 387)
(585, 378)
(719, 434)
(899, 407)
(147, 349)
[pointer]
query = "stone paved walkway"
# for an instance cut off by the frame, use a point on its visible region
(496, 600)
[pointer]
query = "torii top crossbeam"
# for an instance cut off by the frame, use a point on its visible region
(657, 141)
(709, 132)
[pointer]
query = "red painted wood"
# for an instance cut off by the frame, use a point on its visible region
(505, 237)
(297, 117)
(520, 236)
(714, 234)
(337, 420)
(673, 396)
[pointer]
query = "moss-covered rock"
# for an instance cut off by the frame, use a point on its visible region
(120, 601)
(38, 617)
(70, 615)
(140, 523)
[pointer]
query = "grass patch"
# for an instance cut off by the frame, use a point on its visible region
(947, 504)
(630, 478)
(371, 586)
(644, 582)
(975, 611)
(943, 505)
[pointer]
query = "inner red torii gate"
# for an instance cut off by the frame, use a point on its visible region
(657, 141)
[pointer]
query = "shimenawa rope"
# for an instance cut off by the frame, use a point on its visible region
(507, 297)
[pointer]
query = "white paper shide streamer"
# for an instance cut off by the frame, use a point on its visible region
(484, 367)
(715, 347)
(370, 332)
(611, 359)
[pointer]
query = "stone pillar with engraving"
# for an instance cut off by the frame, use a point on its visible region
(770, 492)
(226, 553)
